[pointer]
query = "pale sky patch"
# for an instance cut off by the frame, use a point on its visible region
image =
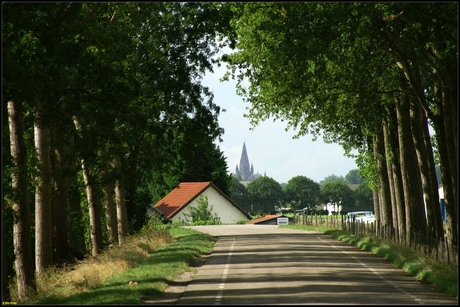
(271, 150)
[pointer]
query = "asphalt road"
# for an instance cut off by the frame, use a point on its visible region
(264, 264)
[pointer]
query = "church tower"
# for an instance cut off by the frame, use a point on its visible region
(245, 170)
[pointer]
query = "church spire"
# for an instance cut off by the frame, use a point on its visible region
(245, 170)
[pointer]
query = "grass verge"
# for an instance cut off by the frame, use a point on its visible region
(141, 268)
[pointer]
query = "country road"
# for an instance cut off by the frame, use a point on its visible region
(264, 264)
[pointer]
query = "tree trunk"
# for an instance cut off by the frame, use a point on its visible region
(375, 197)
(391, 142)
(424, 150)
(93, 205)
(450, 109)
(391, 186)
(6, 263)
(375, 192)
(121, 202)
(443, 117)
(62, 174)
(24, 260)
(94, 217)
(447, 140)
(384, 189)
(410, 171)
(109, 202)
(449, 198)
(43, 216)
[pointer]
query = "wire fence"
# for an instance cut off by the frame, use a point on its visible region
(439, 250)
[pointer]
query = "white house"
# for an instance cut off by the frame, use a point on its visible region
(174, 206)
(333, 207)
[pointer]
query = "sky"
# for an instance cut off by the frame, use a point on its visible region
(271, 150)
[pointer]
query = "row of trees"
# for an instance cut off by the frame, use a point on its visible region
(264, 194)
(104, 114)
(373, 77)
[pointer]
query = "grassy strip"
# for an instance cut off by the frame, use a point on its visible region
(442, 276)
(129, 281)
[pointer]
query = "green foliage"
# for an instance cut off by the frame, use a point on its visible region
(332, 178)
(242, 222)
(353, 177)
(200, 159)
(337, 192)
(363, 196)
(202, 213)
(237, 175)
(368, 169)
(130, 73)
(265, 194)
(302, 192)
(336, 77)
(138, 212)
(240, 194)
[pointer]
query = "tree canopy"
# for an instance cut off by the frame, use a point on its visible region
(369, 76)
(265, 194)
(117, 87)
(302, 192)
(337, 192)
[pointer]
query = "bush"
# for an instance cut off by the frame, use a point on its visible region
(202, 213)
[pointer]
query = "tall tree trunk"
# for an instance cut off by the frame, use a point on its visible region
(93, 204)
(62, 174)
(410, 171)
(389, 168)
(376, 199)
(94, 216)
(43, 217)
(450, 111)
(393, 145)
(6, 263)
(121, 201)
(109, 202)
(384, 189)
(424, 150)
(445, 124)
(375, 192)
(449, 198)
(24, 260)
(446, 134)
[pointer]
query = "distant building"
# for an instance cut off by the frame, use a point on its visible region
(245, 171)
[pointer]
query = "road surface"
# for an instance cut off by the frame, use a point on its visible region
(264, 264)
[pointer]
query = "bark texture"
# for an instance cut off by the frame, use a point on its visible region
(24, 260)
(43, 216)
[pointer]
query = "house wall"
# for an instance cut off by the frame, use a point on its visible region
(225, 210)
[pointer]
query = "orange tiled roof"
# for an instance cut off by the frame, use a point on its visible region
(264, 218)
(184, 194)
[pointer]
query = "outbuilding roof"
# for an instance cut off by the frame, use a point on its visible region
(265, 218)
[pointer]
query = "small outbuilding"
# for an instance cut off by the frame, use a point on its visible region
(272, 219)
(173, 206)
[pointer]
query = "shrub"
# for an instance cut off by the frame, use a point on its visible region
(202, 213)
